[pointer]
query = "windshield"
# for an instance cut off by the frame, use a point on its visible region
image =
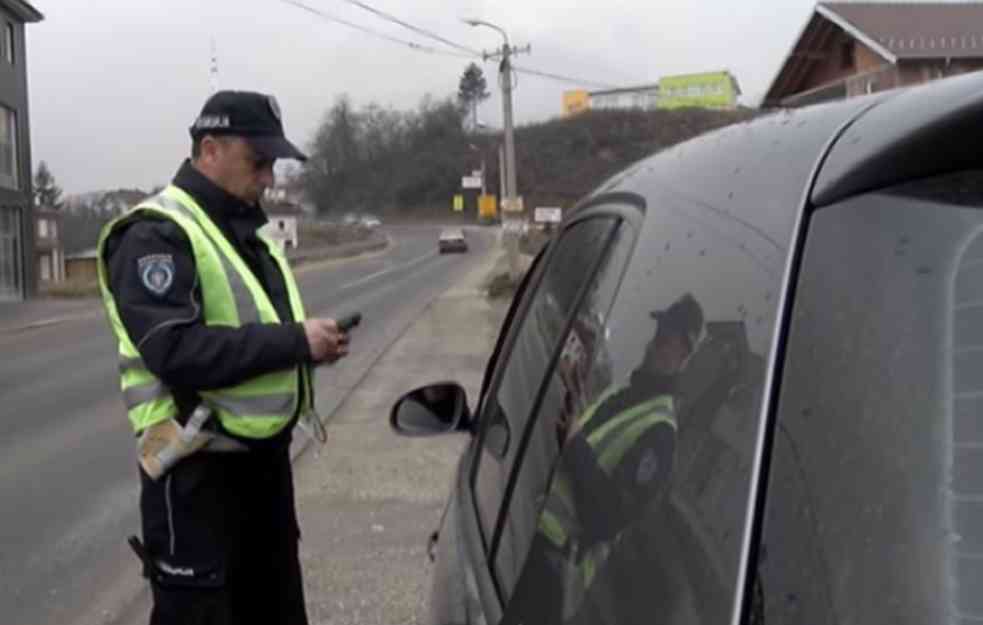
(875, 502)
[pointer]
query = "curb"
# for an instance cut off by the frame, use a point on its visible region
(493, 260)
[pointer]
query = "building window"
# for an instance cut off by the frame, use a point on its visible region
(46, 266)
(8, 43)
(10, 254)
(8, 148)
(43, 228)
(846, 55)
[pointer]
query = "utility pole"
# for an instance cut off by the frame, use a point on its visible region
(213, 69)
(501, 169)
(510, 201)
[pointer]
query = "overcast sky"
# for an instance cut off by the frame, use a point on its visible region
(116, 83)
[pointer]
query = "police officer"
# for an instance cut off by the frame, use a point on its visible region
(617, 459)
(215, 359)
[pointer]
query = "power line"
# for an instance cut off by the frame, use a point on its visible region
(469, 52)
(415, 46)
(416, 29)
(560, 78)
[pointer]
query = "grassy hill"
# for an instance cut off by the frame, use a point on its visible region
(560, 161)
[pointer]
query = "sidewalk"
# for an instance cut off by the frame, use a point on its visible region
(368, 499)
(42, 311)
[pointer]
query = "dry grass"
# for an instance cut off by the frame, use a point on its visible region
(72, 288)
(314, 234)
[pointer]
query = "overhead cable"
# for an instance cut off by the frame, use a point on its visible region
(416, 29)
(415, 46)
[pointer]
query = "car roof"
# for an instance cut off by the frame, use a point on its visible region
(943, 126)
(760, 172)
(752, 173)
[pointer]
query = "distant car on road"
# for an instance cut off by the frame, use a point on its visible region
(452, 240)
(742, 383)
(370, 221)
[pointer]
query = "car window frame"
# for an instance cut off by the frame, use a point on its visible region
(511, 334)
(622, 209)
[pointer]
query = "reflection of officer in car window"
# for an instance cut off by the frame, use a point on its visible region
(621, 451)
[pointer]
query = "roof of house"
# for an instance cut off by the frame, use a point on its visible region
(895, 31)
(619, 90)
(919, 30)
(22, 10)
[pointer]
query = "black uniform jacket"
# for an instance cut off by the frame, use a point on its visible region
(164, 318)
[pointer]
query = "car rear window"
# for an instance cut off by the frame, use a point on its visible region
(874, 509)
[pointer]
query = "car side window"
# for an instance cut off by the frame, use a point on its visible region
(581, 372)
(522, 366)
(646, 509)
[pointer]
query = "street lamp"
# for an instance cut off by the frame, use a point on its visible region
(510, 203)
(472, 22)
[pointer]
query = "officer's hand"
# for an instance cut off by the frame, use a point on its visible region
(326, 341)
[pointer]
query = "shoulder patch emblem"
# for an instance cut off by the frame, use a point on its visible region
(157, 273)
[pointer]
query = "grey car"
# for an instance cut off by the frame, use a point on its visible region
(452, 240)
(820, 448)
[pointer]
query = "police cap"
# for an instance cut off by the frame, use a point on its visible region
(253, 116)
(684, 316)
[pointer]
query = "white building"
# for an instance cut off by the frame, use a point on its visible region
(645, 97)
(283, 230)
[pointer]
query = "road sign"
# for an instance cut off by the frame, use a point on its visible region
(548, 214)
(486, 206)
(514, 206)
(471, 182)
(458, 203)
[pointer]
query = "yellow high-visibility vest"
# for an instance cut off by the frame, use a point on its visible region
(231, 296)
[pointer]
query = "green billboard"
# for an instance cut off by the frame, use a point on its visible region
(706, 90)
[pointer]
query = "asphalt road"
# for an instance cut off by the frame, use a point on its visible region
(68, 482)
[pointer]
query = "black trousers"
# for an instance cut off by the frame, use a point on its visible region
(221, 535)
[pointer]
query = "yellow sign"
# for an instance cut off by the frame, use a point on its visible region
(575, 102)
(486, 206)
(458, 203)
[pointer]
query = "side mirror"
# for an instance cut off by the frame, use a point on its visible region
(431, 410)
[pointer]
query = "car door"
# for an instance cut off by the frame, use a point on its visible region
(874, 503)
(529, 346)
(659, 537)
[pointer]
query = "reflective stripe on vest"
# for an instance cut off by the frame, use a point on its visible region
(610, 443)
(232, 296)
(244, 302)
(558, 521)
(612, 440)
